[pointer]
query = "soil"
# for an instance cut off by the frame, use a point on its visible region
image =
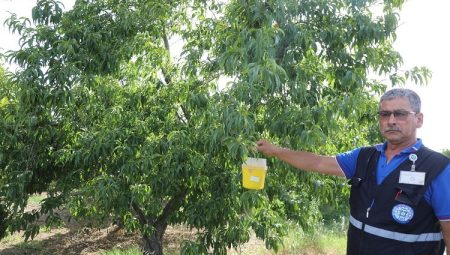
(82, 241)
(75, 239)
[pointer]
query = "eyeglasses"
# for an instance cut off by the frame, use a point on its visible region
(398, 114)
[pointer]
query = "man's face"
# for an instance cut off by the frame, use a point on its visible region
(398, 122)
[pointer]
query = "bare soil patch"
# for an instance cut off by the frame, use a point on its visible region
(78, 240)
(71, 239)
(75, 239)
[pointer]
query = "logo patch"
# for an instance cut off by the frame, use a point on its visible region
(402, 213)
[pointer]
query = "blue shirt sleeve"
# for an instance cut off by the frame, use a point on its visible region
(438, 195)
(347, 162)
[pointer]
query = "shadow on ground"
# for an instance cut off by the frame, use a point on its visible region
(74, 242)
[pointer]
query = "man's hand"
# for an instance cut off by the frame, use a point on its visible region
(267, 148)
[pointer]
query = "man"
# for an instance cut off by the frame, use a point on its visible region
(400, 190)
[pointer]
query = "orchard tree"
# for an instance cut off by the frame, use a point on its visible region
(446, 152)
(142, 112)
(4, 105)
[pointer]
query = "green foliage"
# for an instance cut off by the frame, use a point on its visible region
(446, 152)
(129, 251)
(105, 117)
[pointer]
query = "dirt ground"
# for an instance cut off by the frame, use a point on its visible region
(71, 239)
(79, 241)
(83, 241)
(75, 239)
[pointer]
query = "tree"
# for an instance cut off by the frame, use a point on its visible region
(106, 118)
(4, 104)
(446, 152)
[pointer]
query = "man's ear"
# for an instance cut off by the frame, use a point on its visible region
(419, 119)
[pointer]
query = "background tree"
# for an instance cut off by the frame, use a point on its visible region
(106, 117)
(4, 105)
(446, 152)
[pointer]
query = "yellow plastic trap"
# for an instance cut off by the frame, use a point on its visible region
(254, 173)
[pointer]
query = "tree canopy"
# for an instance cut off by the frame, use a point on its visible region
(143, 111)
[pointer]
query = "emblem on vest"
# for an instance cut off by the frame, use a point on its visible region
(402, 213)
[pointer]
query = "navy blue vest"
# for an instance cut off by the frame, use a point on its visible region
(393, 218)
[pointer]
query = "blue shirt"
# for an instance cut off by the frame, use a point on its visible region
(438, 193)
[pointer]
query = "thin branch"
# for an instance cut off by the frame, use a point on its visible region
(139, 213)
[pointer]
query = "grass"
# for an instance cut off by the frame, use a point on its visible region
(327, 238)
(17, 239)
(130, 251)
(31, 245)
(11, 239)
(324, 243)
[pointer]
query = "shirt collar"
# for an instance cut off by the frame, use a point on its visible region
(413, 148)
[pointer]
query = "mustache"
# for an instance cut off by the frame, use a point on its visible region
(391, 129)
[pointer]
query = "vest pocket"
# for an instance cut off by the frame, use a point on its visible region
(407, 196)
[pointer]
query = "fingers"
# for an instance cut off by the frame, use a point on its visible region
(264, 147)
(261, 142)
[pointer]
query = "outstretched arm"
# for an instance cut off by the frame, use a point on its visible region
(300, 159)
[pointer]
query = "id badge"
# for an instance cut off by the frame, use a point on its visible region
(412, 177)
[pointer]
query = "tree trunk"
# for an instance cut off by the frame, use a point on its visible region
(152, 245)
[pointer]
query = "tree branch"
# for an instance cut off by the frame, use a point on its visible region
(167, 77)
(173, 205)
(139, 213)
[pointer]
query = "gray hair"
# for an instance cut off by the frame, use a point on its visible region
(413, 97)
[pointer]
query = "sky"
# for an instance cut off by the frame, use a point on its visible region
(422, 40)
